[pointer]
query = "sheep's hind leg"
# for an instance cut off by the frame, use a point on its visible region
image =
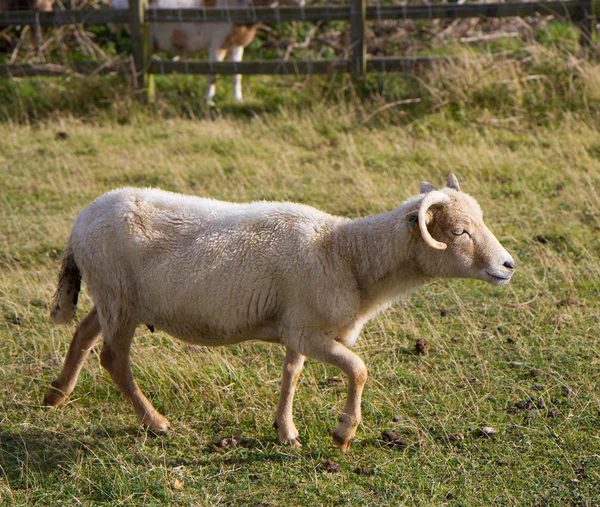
(284, 421)
(336, 354)
(215, 54)
(115, 358)
(85, 338)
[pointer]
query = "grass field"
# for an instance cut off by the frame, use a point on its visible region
(523, 359)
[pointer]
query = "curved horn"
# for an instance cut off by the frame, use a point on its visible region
(434, 197)
(453, 182)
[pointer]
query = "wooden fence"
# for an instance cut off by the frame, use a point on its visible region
(357, 12)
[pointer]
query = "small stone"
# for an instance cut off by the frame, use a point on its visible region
(454, 340)
(444, 313)
(396, 418)
(488, 430)
(331, 466)
(541, 239)
(422, 346)
(456, 437)
(61, 136)
(553, 412)
(510, 340)
(541, 404)
(536, 373)
(502, 461)
(393, 438)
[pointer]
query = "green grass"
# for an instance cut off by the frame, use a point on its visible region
(532, 159)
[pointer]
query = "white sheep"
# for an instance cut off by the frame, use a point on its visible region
(217, 273)
(189, 38)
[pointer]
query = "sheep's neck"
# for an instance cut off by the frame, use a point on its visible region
(384, 266)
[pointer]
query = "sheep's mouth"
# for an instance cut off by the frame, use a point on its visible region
(498, 279)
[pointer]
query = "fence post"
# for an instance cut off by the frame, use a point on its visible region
(140, 47)
(358, 16)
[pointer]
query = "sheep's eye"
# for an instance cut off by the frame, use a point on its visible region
(460, 232)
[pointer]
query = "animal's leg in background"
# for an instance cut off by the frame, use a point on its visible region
(237, 53)
(115, 358)
(334, 353)
(284, 421)
(85, 337)
(215, 54)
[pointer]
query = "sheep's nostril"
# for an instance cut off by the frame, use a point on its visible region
(509, 264)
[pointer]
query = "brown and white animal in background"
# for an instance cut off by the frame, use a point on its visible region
(186, 39)
(218, 273)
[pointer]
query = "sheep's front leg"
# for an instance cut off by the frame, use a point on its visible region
(215, 54)
(336, 354)
(237, 53)
(284, 421)
(85, 338)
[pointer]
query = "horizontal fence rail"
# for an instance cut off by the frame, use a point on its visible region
(141, 19)
(566, 8)
(291, 67)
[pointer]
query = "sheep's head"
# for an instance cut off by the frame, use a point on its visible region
(463, 246)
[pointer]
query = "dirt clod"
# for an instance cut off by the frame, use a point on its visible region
(227, 442)
(541, 404)
(536, 373)
(524, 405)
(393, 438)
(331, 466)
(422, 346)
(553, 412)
(569, 302)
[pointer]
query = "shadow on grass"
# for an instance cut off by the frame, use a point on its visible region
(27, 452)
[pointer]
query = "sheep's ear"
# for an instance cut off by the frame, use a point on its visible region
(425, 187)
(453, 182)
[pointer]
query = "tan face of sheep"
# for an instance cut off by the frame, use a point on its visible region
(451, 224)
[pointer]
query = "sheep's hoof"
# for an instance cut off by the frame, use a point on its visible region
(295, 443)
(159, 425)
(342, 442)
(54, 396)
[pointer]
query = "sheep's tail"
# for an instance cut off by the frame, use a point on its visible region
(67, 291)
